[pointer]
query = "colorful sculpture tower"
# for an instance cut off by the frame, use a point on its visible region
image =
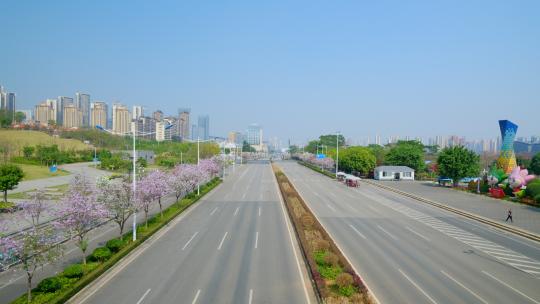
(507, 159)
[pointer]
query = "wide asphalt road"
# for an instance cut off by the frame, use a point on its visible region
(409, 252)
(235, 246)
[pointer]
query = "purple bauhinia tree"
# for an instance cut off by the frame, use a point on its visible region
(117, 198)
(33, 247)
(160, 186)
(80, 212)
(145, 196)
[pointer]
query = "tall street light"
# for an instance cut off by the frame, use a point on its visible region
(337, 153)
(134, 182)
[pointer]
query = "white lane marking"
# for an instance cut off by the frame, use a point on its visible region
(196, 297)
(250, 296)
(418, 234)
(256, 239)
(357, 232)
(332, 208)
(236, 211)
(459, 234)
(391, 235)
(418, 287)
(190, 239)
(222, 240)
(285, 218)
(143, 296)
(523, 265)
(517, 291)
(213, 211)
(464, 287)
(259, 211)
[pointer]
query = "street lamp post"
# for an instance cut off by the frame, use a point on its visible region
(337, 153)
(134, 182)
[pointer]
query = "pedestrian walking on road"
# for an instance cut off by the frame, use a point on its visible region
(509, 216)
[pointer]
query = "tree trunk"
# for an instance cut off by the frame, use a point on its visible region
(160, 207)
(456, 182)
(146, 219)
(5, 196)
(121, 229)
(29, 287)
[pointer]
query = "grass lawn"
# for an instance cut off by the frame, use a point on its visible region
(35, 172)
(17, 139)
(57, 192)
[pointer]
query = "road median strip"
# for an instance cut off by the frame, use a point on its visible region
(335, 279)
(518, 231)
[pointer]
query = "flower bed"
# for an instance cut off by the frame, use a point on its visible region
(335, 279)
(60, 288)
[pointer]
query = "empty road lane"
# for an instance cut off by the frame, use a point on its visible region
(233, 247)
(409, 252)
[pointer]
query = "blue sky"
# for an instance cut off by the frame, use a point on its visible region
(299, 68)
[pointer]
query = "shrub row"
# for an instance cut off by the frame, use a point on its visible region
(315, 168)
(335, 280)
(60, 288)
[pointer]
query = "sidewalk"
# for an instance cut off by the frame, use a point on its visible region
(83, 168)
(525, 217)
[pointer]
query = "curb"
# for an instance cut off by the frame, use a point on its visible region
(518, 231)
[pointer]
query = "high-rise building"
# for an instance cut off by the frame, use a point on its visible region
(3, 98)
(10, 102)
(254, 135)
(203, 127)
(83, 103)
(145, 125)
(157, 115)
(137, 112)
(73, 116)
(45, 112)
(62, 101)
(121, 120)
(183, 123)
(98, 114)
(162, 133)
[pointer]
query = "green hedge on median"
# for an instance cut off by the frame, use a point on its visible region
(75, 277)
(315, 168)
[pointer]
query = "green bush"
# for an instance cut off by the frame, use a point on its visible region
(319, 257)
(533, 189)
(115, 245)
(537, 199)
(101, 254)
(51, 284)
(508, 190)
(347, 290)
(329, 272)
(74, 271)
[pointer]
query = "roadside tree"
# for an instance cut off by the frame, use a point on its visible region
(357, 159)
(117, 198)
(33, 247)
(10, 176)
(407, 153)
(534, 166)
(80, 212)
(458, 162)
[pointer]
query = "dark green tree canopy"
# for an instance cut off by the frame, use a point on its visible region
(10, 176)
(534, 166)
(356, 159)
(379, 152)
(458, 162)
(247, 147)
(407, 153)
